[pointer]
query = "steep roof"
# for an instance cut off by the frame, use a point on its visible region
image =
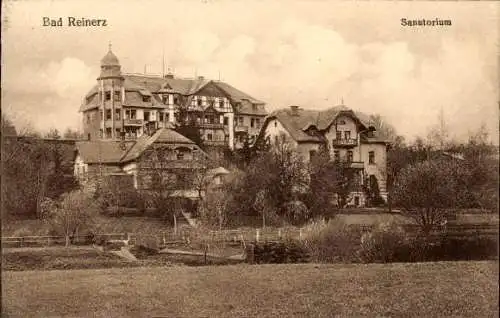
(296, 123)
(236, 94)
(114, 151)
(103, 151)
(110, 59)
(145, 85)
(162, 135)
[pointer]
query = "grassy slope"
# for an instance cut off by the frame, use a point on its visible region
(423, 289)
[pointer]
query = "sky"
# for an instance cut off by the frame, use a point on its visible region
(308, 53)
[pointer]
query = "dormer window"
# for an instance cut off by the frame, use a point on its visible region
(341, 122)
(347, 135)
(338, 135)
(146, 99)
(199, 102)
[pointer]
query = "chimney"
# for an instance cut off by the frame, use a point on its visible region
(295, 110)
(169, 75)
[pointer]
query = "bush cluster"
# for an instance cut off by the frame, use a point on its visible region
(335, 242)
(332, 242)
(280, 252)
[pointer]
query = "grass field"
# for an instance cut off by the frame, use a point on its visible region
(446, 289)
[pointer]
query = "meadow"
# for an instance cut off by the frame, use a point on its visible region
(465, 289)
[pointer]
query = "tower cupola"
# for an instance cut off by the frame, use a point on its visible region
(110, 65)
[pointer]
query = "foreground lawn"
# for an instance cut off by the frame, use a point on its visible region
(450, 289)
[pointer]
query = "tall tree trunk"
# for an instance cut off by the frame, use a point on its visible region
(175, 224)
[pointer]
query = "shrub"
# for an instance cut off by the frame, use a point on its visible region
(332, 241)
(148, 242)
(289, 251)
(385, 243)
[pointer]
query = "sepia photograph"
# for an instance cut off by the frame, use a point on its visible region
(230, 158)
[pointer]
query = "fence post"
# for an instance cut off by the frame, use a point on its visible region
(250, 251)
(257, 235)
(300, 233)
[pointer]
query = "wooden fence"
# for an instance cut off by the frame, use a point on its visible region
(242, 235)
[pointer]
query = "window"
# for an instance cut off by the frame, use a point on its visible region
(347, 135)
(338, 136)
(336, 155)
(100, 133)
(275, 124)
(108, 132)
(199, 102)
(176, 100)
(341, 122)
(226, 121)
(209, 136)
(101, 114)
(146, 99)
(350, 156)
(221, 103)
(167, 117)
(117, 132)
(117, 114)
(252, 122)
(147, 116)
(161, 115)
(180, 155)
(371, 134)
(257, 123)
(117, 96)
(107, 95)
(371, 157)
(312, 155)
(88, 118)
(165, 99)
(108, 114)
(240, 119)
(130, 114)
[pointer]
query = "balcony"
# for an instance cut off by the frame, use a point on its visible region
(214, 142)
(344, 142)
(133, 122)
(210, 126)
(240, 129)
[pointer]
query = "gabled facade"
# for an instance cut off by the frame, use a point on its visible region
(140, 160)
(348, 136)
(128, 106)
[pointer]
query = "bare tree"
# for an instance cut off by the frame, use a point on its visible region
(69, 214)
(427, 190)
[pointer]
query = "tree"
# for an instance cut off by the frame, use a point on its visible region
(215, 207)
(71, 212)
(70, 133)
(425, 190)
(187, 126)
(481, 159)
(383, 128)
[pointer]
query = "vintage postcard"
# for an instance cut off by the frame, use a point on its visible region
(217, 158)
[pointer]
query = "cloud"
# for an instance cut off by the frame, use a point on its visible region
(51, 96)
(297, 53)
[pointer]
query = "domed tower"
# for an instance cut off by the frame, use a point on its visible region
(112, 97)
